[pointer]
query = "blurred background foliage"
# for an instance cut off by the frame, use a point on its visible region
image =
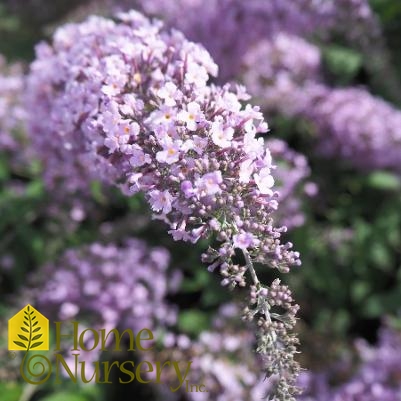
(350, 245)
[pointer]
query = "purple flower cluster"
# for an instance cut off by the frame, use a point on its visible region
(12, 114)
(51, 120)
(277, 72)
(111, 285)
(129, 103)
(378, 376)
(356, 126)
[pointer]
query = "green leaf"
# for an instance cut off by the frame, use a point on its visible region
(36, 344)
(22, 337)
(36, 330)
(4, 172)
(193, 321)
(24, 329)
(213, 298)
(381, 256)
(65, 396)
(198, 282)
(387, 9)
(343, 62)
(384, 180)
(360, 290)
(385, 303)
(34, 324)
(97, 193)
(35, 189)
(10, 391)
(20, 344)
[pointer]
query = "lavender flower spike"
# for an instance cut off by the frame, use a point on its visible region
(132, 101)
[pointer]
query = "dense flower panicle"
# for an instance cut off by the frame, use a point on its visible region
(130, 103)
(277, 72)
(12, 114)
(61, 159)
(114, 286)
(291, 177)
(377, 377)
(356, 126)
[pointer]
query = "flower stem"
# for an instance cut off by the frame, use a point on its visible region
(256, 281)
(250, 268)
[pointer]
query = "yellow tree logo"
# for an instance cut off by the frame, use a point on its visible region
(28, 330)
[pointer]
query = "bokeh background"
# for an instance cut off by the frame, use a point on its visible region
(327, 75)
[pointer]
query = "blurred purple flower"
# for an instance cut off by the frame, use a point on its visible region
(356, 126)
(113, 286)
(378, 376)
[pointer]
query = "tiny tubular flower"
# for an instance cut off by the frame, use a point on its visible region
(265, 181)
(191, 116)
(209, 184)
